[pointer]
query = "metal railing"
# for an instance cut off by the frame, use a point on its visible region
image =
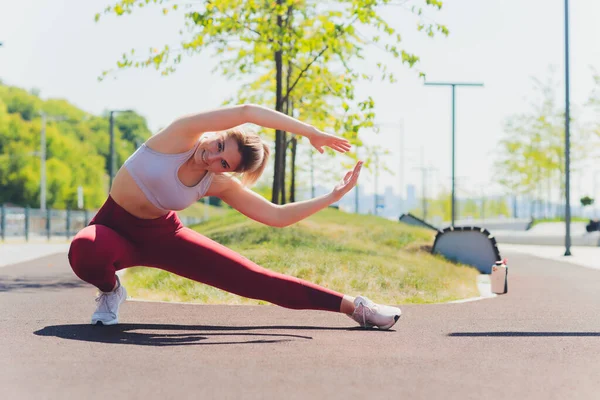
(29, 223)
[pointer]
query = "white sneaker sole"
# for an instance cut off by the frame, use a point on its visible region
(100, 322)
(386, 327)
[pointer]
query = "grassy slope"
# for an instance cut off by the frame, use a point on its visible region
(354, 254)
(197, 210)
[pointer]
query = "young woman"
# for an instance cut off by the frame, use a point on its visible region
(196, 156)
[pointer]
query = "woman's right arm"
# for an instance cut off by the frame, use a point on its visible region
(185, 131)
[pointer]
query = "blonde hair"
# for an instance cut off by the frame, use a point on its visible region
(255, 154)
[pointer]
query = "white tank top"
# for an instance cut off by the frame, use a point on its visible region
(156, 174)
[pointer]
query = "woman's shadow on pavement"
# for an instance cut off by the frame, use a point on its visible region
(176, 335)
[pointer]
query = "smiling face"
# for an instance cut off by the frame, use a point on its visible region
(218, 153)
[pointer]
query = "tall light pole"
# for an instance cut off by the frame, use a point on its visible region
(356, 191)
(401, 174)
(112, 157)
(43, 164)
(376, 179)
(453, 84)
(425, 170)
(567, 139)
(312, 175)
(45, 118)
(400, 126)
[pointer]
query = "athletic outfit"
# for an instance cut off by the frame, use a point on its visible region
(115, 239)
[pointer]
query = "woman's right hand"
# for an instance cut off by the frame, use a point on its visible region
(349, 181)
(321, 139)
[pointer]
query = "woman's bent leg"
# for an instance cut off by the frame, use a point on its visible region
(97, 252)
(194, 256)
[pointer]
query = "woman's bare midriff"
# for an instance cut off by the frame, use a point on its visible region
(126, 193)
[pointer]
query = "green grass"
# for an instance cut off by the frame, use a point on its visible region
(558, 219)
(197, 210)
(354, 254)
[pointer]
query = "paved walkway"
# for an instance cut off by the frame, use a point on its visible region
(540, 341)
(16, 252)
(584, 256)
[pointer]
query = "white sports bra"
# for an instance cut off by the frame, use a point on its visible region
(156, 174)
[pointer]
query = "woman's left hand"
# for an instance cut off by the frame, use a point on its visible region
(349, 181)
(319, 139)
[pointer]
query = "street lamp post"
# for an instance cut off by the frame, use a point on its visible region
(45, 118)
(356, 191)
(112, 157)
(453, 84)
(400, 126)
(376, 212)
(43, 164)
(567, 139)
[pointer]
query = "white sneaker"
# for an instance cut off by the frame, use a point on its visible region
(107, 311)
(369, 314)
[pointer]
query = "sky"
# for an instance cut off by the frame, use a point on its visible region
(56, 47)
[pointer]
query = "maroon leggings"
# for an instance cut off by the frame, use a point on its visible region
(115, 239)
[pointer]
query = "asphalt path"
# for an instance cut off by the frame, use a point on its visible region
(540, 341)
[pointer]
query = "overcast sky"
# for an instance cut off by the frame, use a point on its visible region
(56, 47)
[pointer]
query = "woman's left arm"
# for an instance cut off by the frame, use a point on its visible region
(225, 118)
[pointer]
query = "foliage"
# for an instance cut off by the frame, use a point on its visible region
(441, 208)
(76, 149)
(298, 56)
(586, 201)
(531, 156)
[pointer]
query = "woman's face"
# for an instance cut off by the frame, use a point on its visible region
(218, 153)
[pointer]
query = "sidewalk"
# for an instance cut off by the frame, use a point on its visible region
(16, 251)
(539, 341)
(584, 256)
(549, 234)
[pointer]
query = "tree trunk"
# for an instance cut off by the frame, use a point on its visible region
(293, 171)
(289, 109)
(284, 147)
(278, 196)
(279, 135)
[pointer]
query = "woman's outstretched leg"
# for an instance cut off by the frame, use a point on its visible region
(194, 256)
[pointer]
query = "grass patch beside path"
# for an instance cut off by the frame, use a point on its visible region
(353, 254)
(558, 219)
(199, 210)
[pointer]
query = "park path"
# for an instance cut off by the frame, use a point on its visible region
(540, 341)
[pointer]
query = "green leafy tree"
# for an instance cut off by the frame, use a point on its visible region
(531, 155)
(76, 150)
(440, 208)
(586, 201)
(594, 102)
(18, 101)
(296, 54)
